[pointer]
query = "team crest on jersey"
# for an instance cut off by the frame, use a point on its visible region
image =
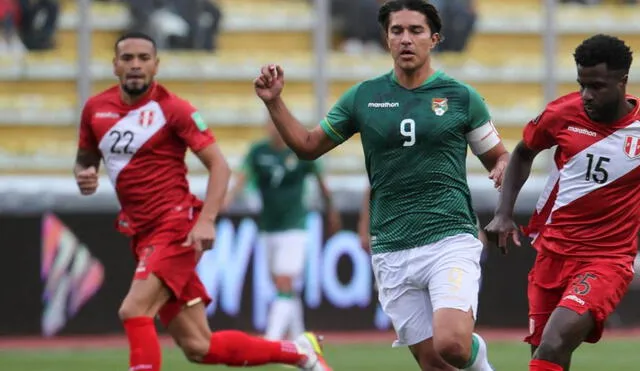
(439, 106)
(632, 146)
(146, 118)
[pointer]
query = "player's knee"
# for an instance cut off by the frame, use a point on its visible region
(455, 349)
(195, 348)
(551, 348)
(284, 284)
(131, 309)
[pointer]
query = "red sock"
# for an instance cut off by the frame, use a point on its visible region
(144, 347)
(540, 365)
(235, 348)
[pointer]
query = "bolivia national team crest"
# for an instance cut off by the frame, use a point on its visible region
(439, 106)
(146, 118)
(632, 146)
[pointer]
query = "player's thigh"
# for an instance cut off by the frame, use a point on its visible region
(287, 253)
(164, 265)
(144, 298)
(193, 294)
(406, 304)
(147, 292)
(595, 290)
(453, 287)
(546, 283)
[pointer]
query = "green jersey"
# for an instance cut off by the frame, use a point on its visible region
(415, 149)
(280, 178)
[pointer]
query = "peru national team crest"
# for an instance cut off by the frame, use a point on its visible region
(632, 146)
(146, 118)
(439, 106)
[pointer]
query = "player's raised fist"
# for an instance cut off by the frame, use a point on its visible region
(87, 180)
(270, 82)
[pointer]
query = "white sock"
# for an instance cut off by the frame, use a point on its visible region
(479, 355)
(297, 327)
(280, 316)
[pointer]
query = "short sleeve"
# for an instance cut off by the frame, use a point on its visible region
(86, 137)
(538, 133)
(340, 124)
(478, 112)
(190, 126)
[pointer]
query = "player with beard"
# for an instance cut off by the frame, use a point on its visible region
(142, 131)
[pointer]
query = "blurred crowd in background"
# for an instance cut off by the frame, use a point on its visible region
(194, 24)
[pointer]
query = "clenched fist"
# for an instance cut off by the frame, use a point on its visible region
(270, 83)
(87, 180)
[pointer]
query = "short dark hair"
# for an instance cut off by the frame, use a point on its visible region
(600, 48)
(134, 35)
(423, 6)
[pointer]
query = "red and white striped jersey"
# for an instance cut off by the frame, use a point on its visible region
(143, 147)
(590, 207)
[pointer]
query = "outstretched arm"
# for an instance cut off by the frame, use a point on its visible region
(335, 128)
(307, 144)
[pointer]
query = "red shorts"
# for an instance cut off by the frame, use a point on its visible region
(596, 285)
(160, 251)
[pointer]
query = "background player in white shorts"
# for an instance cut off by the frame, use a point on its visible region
(280, 178)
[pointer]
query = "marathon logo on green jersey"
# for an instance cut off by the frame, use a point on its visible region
(383, 105)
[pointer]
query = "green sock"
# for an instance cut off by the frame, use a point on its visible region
(285, 295)
(475, 346)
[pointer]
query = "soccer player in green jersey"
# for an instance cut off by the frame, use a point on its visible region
(415, 124)
(280, 178)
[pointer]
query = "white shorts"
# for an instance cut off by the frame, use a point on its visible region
(286, 252)
(414, 283)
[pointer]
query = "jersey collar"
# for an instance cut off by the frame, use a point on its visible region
(430, 79)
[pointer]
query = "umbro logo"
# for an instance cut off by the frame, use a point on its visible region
(383, 105)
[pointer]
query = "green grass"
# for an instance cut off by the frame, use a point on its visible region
(505, 356)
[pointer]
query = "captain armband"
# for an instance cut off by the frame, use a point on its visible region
(483, 138)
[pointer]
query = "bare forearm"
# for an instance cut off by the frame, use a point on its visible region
(297, 137)
(363, 223)
(86, 159)
(217, 184)
(502, 160)
(326, 194)
(516, 175)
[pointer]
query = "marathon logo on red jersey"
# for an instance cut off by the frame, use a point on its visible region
(146, 118)
(632, 146)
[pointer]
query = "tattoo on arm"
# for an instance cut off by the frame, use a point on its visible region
(86, 158)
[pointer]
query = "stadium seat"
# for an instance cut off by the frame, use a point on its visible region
(504, 61)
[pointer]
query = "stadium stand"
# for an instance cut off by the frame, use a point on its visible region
(504, 61)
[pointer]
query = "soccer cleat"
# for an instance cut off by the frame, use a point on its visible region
(311, 345)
